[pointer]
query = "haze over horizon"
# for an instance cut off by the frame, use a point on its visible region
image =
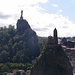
(42, 15)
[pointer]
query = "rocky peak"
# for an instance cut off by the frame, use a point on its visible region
(52, 61)
(22, 24)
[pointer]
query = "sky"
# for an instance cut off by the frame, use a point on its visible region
(42, 15)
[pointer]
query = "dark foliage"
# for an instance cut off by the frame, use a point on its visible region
(15, 47)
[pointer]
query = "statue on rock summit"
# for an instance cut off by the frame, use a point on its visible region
(22, 24)
(21, 15)
(29, 36)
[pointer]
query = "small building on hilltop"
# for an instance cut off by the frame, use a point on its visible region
(54, 39)
(52, 59)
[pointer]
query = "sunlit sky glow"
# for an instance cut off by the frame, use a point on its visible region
(42, 15)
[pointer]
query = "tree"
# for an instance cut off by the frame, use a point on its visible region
(4, 56)
(5, 68)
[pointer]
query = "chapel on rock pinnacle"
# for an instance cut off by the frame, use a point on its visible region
(53, 40)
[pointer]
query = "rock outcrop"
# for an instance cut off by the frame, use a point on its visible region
(31, 40)
(30, 37)
(52, 61)
(22, 24)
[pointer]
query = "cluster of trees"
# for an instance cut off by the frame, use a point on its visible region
(14, 49)
(10, 67)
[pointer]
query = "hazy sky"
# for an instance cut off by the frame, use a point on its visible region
(42, 15)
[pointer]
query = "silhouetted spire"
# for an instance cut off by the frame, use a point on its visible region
(55, 32)
(55, 36)
(21, 15)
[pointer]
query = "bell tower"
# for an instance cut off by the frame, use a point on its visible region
(55, 36)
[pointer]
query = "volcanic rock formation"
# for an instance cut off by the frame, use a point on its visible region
(52, 60)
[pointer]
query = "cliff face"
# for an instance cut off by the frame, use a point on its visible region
(52, 61)
(22, 25)
(31, 40)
